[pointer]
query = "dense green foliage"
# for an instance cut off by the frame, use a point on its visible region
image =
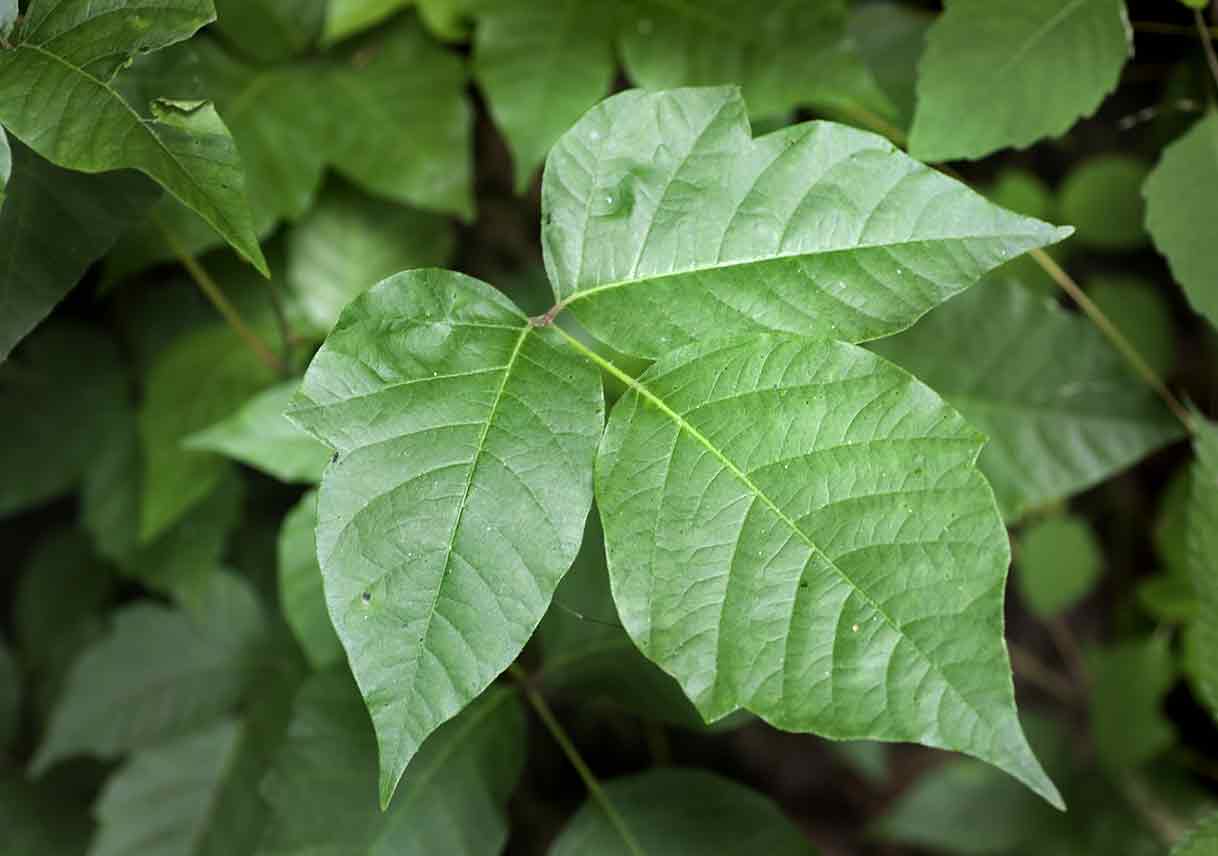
(708, 467)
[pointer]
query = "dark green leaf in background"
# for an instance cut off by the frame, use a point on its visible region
(270, 30)
(756, 495)
(999, 73)
(664, 222)
(349, 242)
(1139, 309)
(323, 786)
(465, 438)
(1202, 541)
(1130, 680)
(1181, 208)
(1101, 199)
(1060, 408)
(300, 587)
(1201, 841)
(261, 436)
(54, 224)
(65, 370)
(157, 674)
(674, 812)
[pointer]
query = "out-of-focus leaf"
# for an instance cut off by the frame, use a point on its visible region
(260, 435)
(784, 55)
(202, 378)
(158, 673)
(664, 223)
(58, 608)
(180, 558)
(110, 489)
(542, 65)
(1181, 204)
(868, 758)
(891, 38)
(349, 242)
(64, 373)
(1140, 312)
(465, 443)
(6, 157)
(8, 18)
(757, 494)
(1061, 410)
(300, 585)
(203, 787)
(1169, 598)
(1171, 539)
(57, 96)
(999, 73)
(270, 31)
(323, 786)
(1130, 681)
(1100, 199)
(1202, 540)
(681, 813)
(1025, 193)
(1058, 562)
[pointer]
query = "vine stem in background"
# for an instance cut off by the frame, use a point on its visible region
(1127, 351)
(1171, 29)
(1031, 669)
(1208, 46)
(213, 293)
(565, 743)
(1115, 336)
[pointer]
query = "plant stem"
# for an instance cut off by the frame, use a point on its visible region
(1171, 29)
(1115, 336)
(215, 295)
(1208, 46)
(577, 761)
(1068, 649)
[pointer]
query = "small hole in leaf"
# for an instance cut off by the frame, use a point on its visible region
(366, 597)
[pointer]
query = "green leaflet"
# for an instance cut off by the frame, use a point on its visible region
(203, 377)
(1181, 203)
(270, 30)
(1051, 61)
(40, 205)
(458, 496)
(300, 588)
(1201, 841)
(6, 165)
(784, 55)
(1060, 408)
(1202, 559)
(535, 101)
(1058, 561)
(56, 96)
(8, 17)
(349, 242)
(260, 435)
(891, 38)
(158, 673)
(664, 222)
(1139, 309)
(66, 369)
(322, 788)
(759, 496)
(675, 812)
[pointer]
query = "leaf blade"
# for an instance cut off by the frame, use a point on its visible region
(472, 433)
(697, 606)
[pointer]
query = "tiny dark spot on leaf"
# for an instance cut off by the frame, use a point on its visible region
(366, 597)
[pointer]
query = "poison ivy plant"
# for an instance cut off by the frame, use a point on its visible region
(57, 96)
(472, 429)
(1052, 62)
